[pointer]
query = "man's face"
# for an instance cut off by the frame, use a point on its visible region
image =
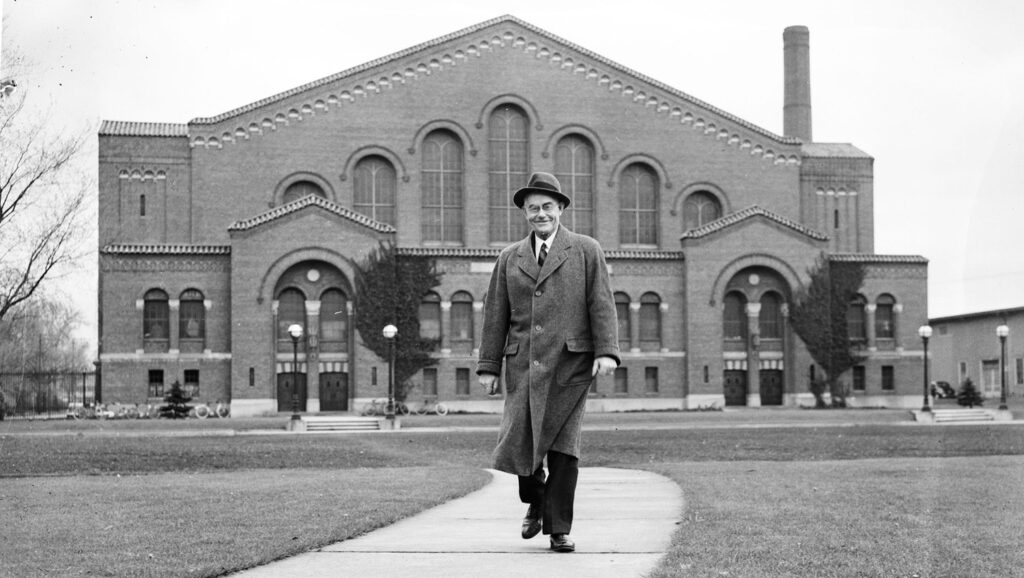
(543, 213)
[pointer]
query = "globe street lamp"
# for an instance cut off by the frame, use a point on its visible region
(295, 330)
(925, 331)
(390, 331)
(1002, 331)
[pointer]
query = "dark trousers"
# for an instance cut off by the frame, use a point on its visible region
(555, 495)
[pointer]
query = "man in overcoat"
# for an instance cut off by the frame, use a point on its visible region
(549, 317)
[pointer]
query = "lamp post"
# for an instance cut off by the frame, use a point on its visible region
(925, 331)
(390, 331)
(295, 330)
(1002, 331)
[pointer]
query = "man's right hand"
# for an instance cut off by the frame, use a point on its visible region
(489, 382)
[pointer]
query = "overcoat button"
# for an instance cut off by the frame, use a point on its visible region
(539, 328)
(538, 293)
(535, 362)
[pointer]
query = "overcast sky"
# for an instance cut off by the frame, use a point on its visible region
(932, 89)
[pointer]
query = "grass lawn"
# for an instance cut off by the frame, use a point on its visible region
(822, 499)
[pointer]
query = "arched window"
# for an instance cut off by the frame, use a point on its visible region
(622, 312)
(299, 189)
(375, 188)
(856, 319)
(650, 320)
(442, 178)
(291, 309)
(734, 323)
(769, 320)
(155, 315)
(508, 132)
(430, 316)
(699, 209)
(574, 169)
(462, 317)
(638, 198)
(884, 322)
(333, 321)
(192, 316)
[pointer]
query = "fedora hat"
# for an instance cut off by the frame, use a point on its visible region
(543, 183)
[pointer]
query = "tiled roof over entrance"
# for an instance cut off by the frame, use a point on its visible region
(129, 128)
(308, 201)
(872, 258)
(749, 213)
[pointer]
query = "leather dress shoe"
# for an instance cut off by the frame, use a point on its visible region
(532, 522)
(562, 543)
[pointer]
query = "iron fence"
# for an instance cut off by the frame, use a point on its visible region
(45, 394)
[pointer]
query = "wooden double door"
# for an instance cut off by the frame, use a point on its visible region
(771, 387)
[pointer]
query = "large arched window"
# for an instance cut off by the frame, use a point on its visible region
(638, 198)
(699, 209)
(734, 322)
(442, 178)
(462, 317)
(155, 315)
(333, 321)
(375, 187)
(650, 321)
(430, 316)
(291, 309)
(622, 312)
(191, 321)
(508, 132)
(856, 319)
(574, 169)
(884, 322)
(299, 189)
(770, 318)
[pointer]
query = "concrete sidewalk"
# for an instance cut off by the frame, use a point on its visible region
(623, 525)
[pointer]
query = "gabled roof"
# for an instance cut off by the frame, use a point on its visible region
(749, 213)
(872, 258)
(129, 128)
(431, 59)
(311, 201)
(470, 31)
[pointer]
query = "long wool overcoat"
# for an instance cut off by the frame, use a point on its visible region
(546, 325)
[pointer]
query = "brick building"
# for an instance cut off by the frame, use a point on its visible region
(218, 234)
(968, 346)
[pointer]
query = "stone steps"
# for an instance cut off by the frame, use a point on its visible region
(962, 415)
(340, 423)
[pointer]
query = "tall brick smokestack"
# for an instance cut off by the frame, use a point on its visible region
(796, 111)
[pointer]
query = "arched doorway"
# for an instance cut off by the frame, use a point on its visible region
(316, 295)
(754, 330)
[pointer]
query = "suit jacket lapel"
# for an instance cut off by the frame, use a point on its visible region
(557, 253)
(526, 260)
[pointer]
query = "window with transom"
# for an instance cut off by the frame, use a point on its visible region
(734, 322)
(884, 317)
(769, 319)
(375, 186)
(650, 321)
(856, 319)
(333, 321)
(622, 312)
(574, 169)
(638, 212)
(462, 317)
(508, 170)
(443, 182)
(155, 315)
(430, 316)
(291, 310)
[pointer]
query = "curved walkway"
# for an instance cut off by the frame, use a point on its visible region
(623, 525)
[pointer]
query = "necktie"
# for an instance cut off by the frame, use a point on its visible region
(543, 254)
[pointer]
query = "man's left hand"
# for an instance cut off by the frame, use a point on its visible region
(604, 365)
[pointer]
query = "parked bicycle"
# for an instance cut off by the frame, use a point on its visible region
(432, 406)
(203, 411)
(378, 408)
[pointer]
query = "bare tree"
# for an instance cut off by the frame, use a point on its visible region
(42, 199)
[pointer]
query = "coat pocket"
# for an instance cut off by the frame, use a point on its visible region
(511, 349)
(577, 363)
